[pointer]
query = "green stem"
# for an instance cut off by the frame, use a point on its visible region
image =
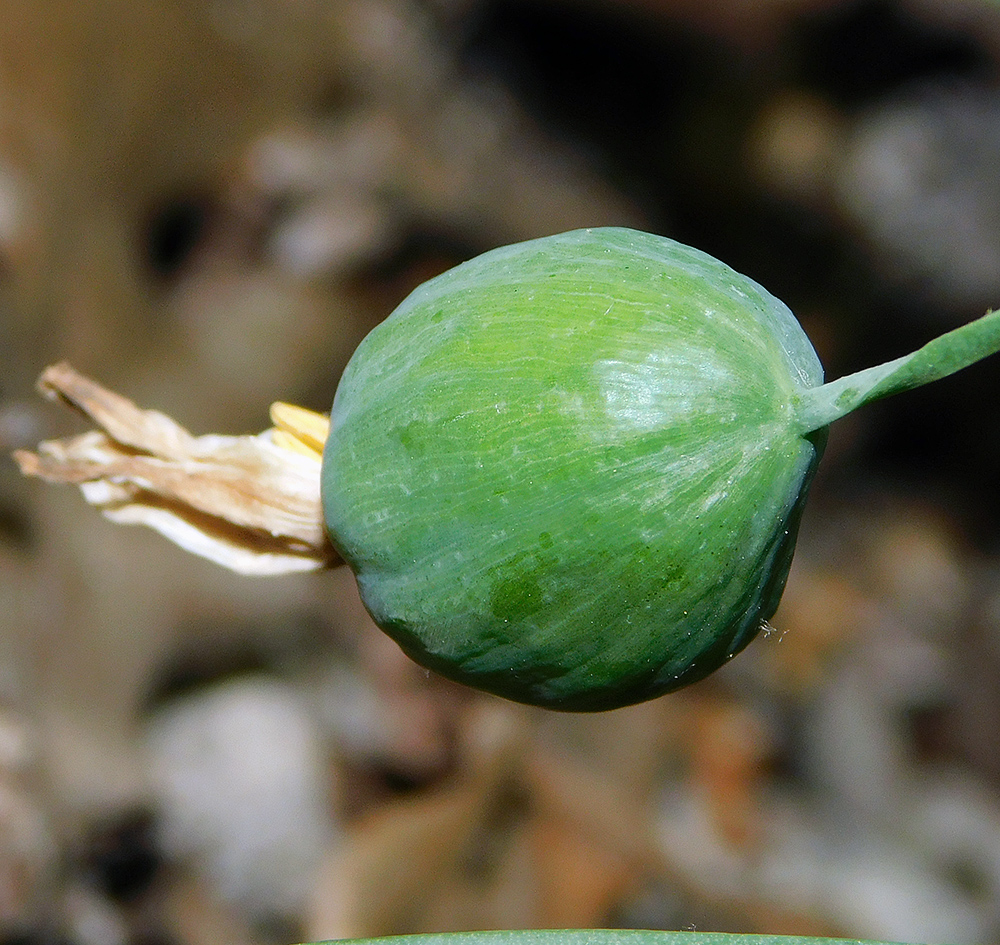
(818, 407)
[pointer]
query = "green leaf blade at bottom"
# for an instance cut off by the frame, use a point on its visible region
(600, 937)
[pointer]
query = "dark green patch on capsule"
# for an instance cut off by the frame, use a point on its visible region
(566, 471)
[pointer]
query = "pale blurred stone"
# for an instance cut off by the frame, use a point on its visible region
(919, 176)
(244, 791)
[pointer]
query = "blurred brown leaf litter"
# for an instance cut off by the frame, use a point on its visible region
(207, 204)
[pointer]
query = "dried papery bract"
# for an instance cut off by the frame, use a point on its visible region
(249, 503)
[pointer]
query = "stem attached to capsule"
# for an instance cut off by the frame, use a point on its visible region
(818, 407)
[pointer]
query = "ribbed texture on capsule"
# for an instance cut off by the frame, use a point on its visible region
(566, 471)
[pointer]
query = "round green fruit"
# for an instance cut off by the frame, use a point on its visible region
(570, 471)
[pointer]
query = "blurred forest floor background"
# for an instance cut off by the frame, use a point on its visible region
(206, 204)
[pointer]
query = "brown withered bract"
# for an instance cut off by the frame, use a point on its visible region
(250, 503)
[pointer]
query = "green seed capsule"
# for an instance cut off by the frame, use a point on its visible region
(570, 471)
